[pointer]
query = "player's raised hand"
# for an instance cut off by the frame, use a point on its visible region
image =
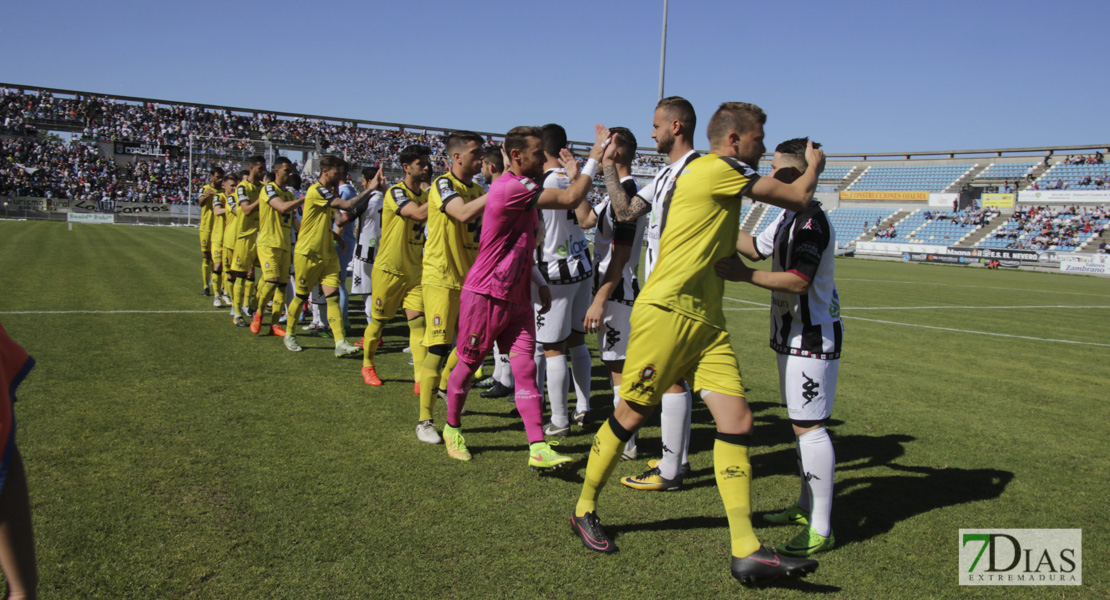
(505, 158)
(603, 136)
(569, 162)
(611, 150)
(733, 269)
(377, 182)
(815, 157)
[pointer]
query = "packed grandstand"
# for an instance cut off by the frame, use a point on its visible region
(65, 151)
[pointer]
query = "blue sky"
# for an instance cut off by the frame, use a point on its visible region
(858, 76)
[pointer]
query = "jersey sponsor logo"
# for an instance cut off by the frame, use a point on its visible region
(539, 321)
(242, 191)
(811, 477)
(810, 388)
(325, 192)
(612, 338)
(528, 184)
(571, 248)
(812, 226)
(834, 306)
(445, 187)
(398, 194)
(271, 191)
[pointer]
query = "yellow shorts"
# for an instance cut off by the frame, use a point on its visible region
(275, 263)
(665, 346)
(228, 254)
(441, 310)
(216, 241)
(246, 254)
(310, 270)
(205, 239)
(393, 291)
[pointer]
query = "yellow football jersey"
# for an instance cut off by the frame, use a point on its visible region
(248, 224)
(401, 247)
(701, 227)
(206, 207)
(231, 220)
(452, 246)
(218, 221)
(274, 228)
(315, 238)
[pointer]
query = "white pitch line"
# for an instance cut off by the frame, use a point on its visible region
(965, 307)
(763, 304)
(1023, 337)
(978, 287)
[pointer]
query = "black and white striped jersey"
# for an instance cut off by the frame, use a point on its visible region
(804, 324)
(369, 228)
(610, 232)
(565, 255)
(658, 194)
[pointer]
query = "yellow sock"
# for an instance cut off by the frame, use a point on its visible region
(452, 360)
(335, 318)
(206, 271)
(416, 346)
(430, 369)
(604, 456)
(734, 476)
(264, 292)
(237, 296)
(279, 305)
(294, 312)
(248, 292)
(370, 341)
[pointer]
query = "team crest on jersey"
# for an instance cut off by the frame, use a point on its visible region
(267, 265)
(302, 280)
(812, 226)
(436, 321)
(473, 340)
(378, 302)
(648, 373)
(445, 186)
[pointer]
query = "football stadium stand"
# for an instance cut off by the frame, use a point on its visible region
(933, 178)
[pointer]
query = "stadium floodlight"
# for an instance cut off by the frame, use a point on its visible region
(663, 51)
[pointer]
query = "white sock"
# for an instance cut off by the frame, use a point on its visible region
(506, 378)
(819, 463)
(631, 443)
(674, 432)
(688, 424)
(541, 369)
(580, 365)
(805, 500)
(496, 364)
(557, 389)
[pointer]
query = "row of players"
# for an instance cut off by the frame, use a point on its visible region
(514, 280)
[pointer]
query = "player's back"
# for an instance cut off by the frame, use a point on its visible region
(701, 228)
(401, 248)
(507, 242)
(451, 246)
(315, 237)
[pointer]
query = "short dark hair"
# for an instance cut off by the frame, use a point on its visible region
(231, 178)
(368, 173)
(517, 137)
(681, 110)
(626, 141)
(332, 161)
(554, 138)
(413, 152)
(295, 181)
(244, 174)
(217, 171)
(269, 176)
(282, 160)
(457, 140)
(492, 155)
(795, 149)
(740, 117)
(256, 160)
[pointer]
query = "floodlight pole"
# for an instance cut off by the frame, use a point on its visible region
(663, 52)
(189, 185)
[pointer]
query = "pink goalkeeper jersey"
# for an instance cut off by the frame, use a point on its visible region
(506, 249)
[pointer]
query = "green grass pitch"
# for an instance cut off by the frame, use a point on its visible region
(172, 455)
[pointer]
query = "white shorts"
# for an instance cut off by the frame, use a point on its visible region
(360, 272)
(569, 303)
(612, 337)
(808, 386)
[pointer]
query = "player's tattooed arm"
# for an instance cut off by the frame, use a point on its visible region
(627, 209)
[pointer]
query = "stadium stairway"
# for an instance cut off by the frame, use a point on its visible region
(853, 176)
(980, 233)
(968, 177)
(755, 215)
(896, 218)
(1091, 245)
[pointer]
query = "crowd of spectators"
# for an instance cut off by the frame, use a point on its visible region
(1085, 159)
(964, 218)
(1045, 228)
